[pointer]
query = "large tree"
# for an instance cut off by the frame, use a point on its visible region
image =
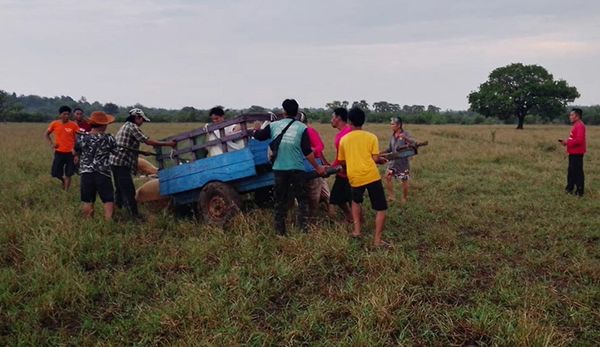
(385, 107)
(517, 90)
(111, 108)
(8, 105)
(336, 103)
(363, 105)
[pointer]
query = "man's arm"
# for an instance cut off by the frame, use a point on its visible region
(577, 137)
(77, 151)
(49, 139)
(408, 138)
(318, 146)
(389, 148)
(377, 158)
(308, 153)
(150, 142)
(262, 134)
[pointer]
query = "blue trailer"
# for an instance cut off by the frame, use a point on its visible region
(192, 174)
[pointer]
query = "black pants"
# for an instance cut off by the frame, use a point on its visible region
(575, 177)
(290, 184)
(124, 189)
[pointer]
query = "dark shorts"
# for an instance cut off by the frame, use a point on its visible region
(93, 183)
(341, 192)
(63, 165)
(376, 195)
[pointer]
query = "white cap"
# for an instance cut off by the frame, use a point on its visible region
(138, 112)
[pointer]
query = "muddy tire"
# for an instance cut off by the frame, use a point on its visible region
(218, 203)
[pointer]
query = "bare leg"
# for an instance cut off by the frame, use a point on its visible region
(88, 209)
(109, 207)
(331, 211)
(404, 191)
(356, 216)
(379, 223)
(66, 182)
(389, 185)
(347, 212)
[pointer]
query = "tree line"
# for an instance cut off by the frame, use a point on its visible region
(510, 94)
(34, 108)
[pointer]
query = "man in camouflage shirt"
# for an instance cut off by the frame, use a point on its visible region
(93, 149)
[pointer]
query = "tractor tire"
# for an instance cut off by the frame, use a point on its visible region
(218, 203)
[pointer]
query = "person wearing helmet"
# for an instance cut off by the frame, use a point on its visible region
(124, 162)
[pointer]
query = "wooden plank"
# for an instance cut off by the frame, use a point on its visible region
(245, 134)
(255, 182)
(225, 167)
(259, 151)
(209, 163)
(216, 142)
(249, 117)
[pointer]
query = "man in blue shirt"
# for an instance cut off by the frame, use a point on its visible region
(288, 168)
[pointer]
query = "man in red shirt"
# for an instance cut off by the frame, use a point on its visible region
(341, 192)
(317, 188)
(65, 135)
(84, 126)
(576, 148)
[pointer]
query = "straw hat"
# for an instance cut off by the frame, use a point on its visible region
(100, 118)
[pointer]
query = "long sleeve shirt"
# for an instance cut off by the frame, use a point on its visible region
(315, 142)
(576, 141)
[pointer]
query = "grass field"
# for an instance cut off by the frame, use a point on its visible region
(488, 251)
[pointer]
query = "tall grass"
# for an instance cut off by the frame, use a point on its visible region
(488, 251)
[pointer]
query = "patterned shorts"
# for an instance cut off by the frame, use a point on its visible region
(402, 175)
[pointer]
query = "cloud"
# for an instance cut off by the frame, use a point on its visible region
(239, 53)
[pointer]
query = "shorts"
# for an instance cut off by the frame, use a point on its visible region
(376, 195)
(402, 175)
(62, 165)
(95, 182)
(341, 192)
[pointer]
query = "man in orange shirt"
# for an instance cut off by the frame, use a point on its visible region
(65, 136)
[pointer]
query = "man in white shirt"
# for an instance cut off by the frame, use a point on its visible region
(217, 115)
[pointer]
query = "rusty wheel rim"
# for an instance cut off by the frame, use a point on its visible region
(217, 207)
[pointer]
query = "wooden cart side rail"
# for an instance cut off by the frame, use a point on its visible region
(221, 140)
(212, 127)
(177, 152)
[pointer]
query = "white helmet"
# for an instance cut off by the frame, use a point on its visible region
(138, 112)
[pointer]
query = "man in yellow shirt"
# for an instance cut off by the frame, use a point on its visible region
(359, 153)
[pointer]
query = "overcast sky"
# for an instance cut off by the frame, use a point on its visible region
(241, 53)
